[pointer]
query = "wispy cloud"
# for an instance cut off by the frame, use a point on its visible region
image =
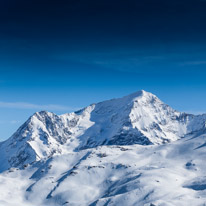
(195, 112)
(10, 122)
(124, 61)
(26, 105)
(193, 63)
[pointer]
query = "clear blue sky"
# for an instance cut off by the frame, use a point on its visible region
(61, 56)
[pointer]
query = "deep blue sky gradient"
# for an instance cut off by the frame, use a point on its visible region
(63, 55)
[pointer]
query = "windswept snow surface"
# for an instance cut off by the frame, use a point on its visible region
(163, 175)
(134, 150)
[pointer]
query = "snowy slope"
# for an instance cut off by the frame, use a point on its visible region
(132, 151)
(139, 118)
(172, 174)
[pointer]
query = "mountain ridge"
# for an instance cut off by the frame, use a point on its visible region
(138, 118)
(134, 150)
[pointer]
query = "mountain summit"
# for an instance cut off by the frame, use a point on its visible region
(115, 152)
(139, 118)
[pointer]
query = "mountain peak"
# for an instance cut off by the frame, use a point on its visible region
(138, 118)
(43, 113)
(139, 93)
(142, 96)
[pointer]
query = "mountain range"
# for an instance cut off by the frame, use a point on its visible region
(134, 150)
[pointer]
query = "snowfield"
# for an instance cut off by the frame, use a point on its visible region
(132, 151)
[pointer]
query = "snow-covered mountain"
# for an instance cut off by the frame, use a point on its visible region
(139, 118)
(117, 152)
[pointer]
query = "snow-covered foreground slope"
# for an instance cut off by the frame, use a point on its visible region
(134, 150)
(172, 174)
(139, 118)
